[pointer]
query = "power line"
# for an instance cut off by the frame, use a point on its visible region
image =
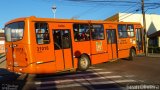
(115, 1)
(130, 14)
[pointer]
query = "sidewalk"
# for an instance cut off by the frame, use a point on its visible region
(156, 55)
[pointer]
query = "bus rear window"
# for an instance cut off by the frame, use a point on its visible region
(14, 31)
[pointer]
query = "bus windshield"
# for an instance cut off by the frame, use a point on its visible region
(14, 31)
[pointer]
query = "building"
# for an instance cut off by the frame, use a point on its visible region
(2, 41)
(152, 26)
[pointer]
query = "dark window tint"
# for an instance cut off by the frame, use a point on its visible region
(97, 32)
(61, 39)
(65, 39)
(122, 31)
(111, 35)
(81, 32)
(57, 39)
(139, 38)
(42, 33)
(125, 31)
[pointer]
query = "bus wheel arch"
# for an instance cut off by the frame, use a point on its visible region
(84, 62)
(132, 53)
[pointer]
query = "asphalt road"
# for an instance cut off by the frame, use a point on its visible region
(117, 75)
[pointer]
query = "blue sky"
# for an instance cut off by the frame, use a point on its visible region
(11, 9)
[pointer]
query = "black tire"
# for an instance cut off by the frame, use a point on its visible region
(132, 54)
(83, 63)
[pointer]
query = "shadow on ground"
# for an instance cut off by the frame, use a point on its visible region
(9, 80)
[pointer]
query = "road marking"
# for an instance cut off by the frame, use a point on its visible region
(91, 67)
(129, 75)
(96, 69)
(85, 83)
(87, 74)
(77, 75)
(80, 79)
(83, 79)
(2, 59)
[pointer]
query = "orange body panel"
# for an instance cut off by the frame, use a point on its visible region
(99, 58)
(112, 51)
(68, 59)
(81, 47)
(98, 46)
(59, 60)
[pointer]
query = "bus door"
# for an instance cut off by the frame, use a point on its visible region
(139, 39)
(62, 47)
(111, 43)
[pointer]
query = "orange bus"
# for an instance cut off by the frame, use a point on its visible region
(44, 45)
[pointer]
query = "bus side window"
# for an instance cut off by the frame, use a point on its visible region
(109, 36)
(66, 39)
(122, 31)
(130, 30)
(97, 32)
(57, 39)
(46, 37)
(42, 33)
(81, 32)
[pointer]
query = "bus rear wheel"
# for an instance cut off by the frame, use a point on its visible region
(132, 54)
(83, 63)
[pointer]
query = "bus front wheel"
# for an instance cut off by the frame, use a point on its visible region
(132, 54)
(83, 63)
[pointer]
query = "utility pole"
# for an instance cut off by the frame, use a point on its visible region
(144, 29)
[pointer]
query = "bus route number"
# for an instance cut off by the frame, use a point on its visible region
(40, 49)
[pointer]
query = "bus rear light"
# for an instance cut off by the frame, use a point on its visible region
(8, 68)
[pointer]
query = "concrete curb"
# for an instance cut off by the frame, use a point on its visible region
(156, 55)
(153, 55)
